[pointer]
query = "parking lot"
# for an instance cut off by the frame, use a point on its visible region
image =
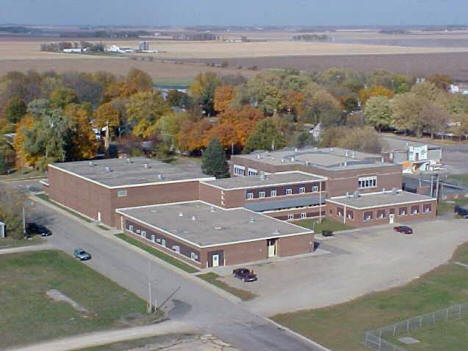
(352, 264)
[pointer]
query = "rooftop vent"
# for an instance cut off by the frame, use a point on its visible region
(353, 155)
(160, 176)
(91, 163)
(262, 175)
(346, 153)
(394, 191)
(296, 149)
(356, 194)
(332, 149)
(146, 165)
(347, 195)
(218, 227)
(307, 163)
(259, 156)
(212, 209)
(108, 169)
(283, 160)
(194, 218)
(276, 232)
(382, 159)
(129, 160)
(293, 158)
(383, 190)
(252, 220)
(181, 214)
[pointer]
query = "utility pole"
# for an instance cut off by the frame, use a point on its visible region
(24, 221)
(150, 300)
(437, 186)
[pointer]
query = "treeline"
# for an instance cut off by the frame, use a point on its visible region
(56, 116)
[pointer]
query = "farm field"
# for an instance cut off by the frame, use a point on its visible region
(26, 279)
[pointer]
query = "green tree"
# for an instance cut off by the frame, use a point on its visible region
(144, 109)
(406, 112)
(378, 112)
(203, 89)
(265, 137)
(14, 109)
(214, 160)
(12, 202)
(62, 96)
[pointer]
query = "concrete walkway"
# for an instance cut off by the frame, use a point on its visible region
(107, 337)
(39, 247)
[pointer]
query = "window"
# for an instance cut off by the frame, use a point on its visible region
(252, 172)
(239, 170)
(381, 214)
(273, 193)
(427, 208)
(367, 216)
(153, 238)
(290, 216)
(138, 231)
(303, 215)
(339, 212)
(415, 210)
(349, 214)
(130, 228)
(143, 234)
(402, 211)
(301, 190)
(367, 182)
(261, 194)
(288, 191)
(193, 256)
(315, 188)
(176, 248)
(250, 196)
(158, 240)
(122, 193)
(163, 242)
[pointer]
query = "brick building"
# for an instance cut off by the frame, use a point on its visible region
(286, 195)
(97, 188)
(208, 236)
(380, 208)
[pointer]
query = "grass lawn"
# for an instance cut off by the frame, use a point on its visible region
(8, 243)
(22, 174)
(46, 198)
(446, 336)
(461, 179)
(163, 256)
(326, 224)
(212, 278)
(29, 316)
(342, 327)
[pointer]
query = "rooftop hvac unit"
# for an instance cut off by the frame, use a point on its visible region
(252, 220)
(181, 214)
(108, 169)
(146, 165)
(129, 160)
(91, 163)
(262, 175)
(160, 177)
(356, 194)
(394, 191)
(194, 218)
(212, 209)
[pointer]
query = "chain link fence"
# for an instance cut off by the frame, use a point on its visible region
(375, 339)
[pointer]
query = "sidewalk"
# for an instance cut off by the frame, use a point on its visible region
(39, 247)
(108, 337)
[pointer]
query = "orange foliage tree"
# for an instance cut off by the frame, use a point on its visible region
(378, 90)
(224, 95)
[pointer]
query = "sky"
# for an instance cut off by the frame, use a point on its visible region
(234, 12)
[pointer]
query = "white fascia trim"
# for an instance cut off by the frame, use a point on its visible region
(130, 185)
(293, 209)
(220, 244)
(381, 205)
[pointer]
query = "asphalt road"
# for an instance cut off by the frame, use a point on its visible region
(192, 303)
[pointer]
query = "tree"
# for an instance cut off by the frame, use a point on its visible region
(12, 202)
(214, 160)
(435, 118)
(82, 136)
(62, 96)
(144, 110)
(223, 97)
(426, 90)
(378, 112)
(14, 109)
(406, 113)
(265, 137)
(360, 139)
(441, 81)
(107, 116)
(191, 136)
(137, 80)
(326, 109)
(378, 90)
(203, 89)
(23, 158)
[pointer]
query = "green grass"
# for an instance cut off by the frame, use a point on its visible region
(212, 278)
(29, 316)
(326, 224)
(161, 341)
(342, 327)
(8, 243)
(24, 173)
(446, 336)
(460, 179)
(163, 256)
(46, 198)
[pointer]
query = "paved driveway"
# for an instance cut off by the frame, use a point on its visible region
(357, 263)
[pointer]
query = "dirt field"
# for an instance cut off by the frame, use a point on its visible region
(161, 72)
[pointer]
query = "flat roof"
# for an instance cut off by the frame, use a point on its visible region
(120, 172)
(379, 199)
(281, 178)
(333, 158)
(204, 225)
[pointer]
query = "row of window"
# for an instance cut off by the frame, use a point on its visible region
(367, 216)
(302, 216)
(367, 182)
(273, 193)
(240, 171)
(159, 241)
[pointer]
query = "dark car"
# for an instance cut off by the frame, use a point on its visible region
(327, 232)
(461, 211)
(403, 229)
(81, 254)
(245, 274)
(37, 229)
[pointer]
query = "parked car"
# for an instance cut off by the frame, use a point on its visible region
(245, 274)
(461, 211)
(39, 229)
(81, 254)
(327, 232)
(403, 229)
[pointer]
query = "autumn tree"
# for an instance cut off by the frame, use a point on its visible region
(82, 136)
(144, 110)
(62, 96)
(378, 90)
(426, 90)
(265, 137)
(441, 81)
(223, 97)
(406, 113)
(202, 91)
(14, 109)
(214, 160)
(12, 202)
(107, 116)
(360, 139)
(192, 135)
(378, 112)
(23, 158)
(326, 109)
